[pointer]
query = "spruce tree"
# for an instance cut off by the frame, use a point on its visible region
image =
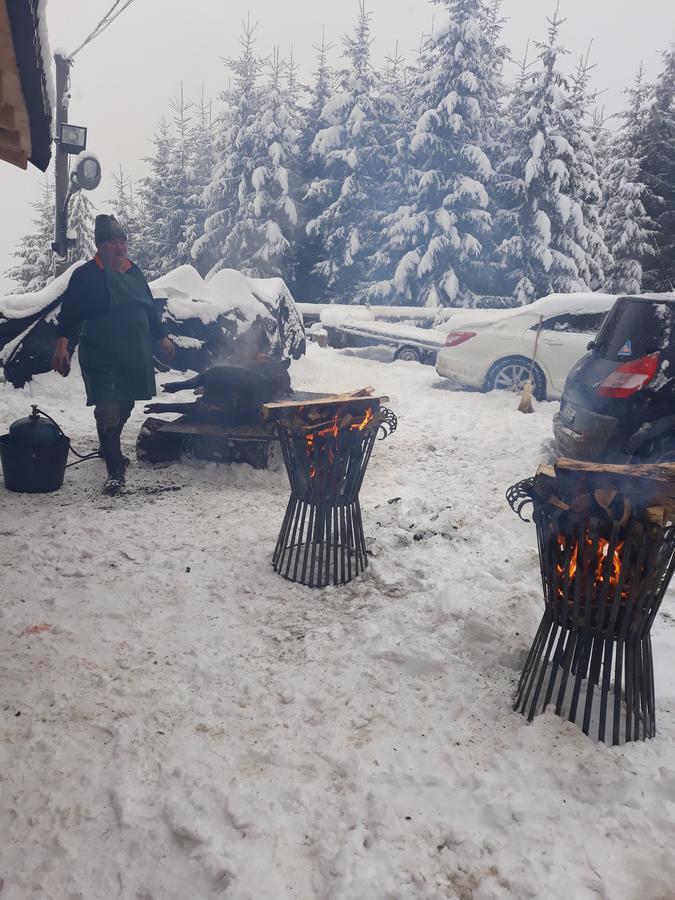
(129, 213)
(179, 189)
(585, 187)
(439, 239)
(200, 139)
(545, 248)
(308, 284)
(260, 242)
(629, 229)
(35, 266)
(233, 152)
(81, 227)
(350, 155)
(154, 227)
(658, 172)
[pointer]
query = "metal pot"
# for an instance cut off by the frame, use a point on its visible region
(34, 454)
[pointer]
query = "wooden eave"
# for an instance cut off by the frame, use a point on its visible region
(25, 108)
(15, 135)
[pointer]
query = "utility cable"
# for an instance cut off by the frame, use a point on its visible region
(113, 13)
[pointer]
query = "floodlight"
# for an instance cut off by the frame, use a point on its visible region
(71, 138)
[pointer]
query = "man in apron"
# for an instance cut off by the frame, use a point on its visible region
(109, 308)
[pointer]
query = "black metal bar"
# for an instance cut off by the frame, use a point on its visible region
(597, 617)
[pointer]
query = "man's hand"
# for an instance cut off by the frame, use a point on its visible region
(61, 358)
(167, 348)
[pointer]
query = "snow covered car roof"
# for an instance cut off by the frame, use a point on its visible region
(553, 305)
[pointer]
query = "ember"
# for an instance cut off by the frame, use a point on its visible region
(326, 445)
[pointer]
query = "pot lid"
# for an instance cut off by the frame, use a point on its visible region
(35, 430)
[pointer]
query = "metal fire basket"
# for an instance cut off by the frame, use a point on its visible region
(603, 584)
(321, 541)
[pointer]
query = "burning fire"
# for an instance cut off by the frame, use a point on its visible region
(598, 566)
(341, 420)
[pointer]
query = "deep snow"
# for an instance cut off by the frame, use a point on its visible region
(179, 722)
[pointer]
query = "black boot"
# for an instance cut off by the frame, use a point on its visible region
(99, 429)
(114, 461)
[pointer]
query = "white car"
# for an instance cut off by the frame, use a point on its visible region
(490, 349)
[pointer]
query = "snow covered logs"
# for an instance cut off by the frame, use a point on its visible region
(607, 554)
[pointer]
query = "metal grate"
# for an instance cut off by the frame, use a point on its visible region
(321, 541)
(603, 584)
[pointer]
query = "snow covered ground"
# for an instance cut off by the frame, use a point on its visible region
(179, 722)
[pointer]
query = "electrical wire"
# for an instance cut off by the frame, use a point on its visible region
(104, 23)
(92, 35)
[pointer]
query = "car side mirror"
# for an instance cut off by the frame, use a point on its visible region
(590, 345)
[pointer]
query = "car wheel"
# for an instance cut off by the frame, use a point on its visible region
(510, 374)
(409, 354)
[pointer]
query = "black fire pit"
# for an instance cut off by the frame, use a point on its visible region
(326, 446)
(606, 561)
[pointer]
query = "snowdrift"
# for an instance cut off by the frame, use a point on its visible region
(228, 315)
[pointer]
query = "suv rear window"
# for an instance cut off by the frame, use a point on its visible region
(635, 328)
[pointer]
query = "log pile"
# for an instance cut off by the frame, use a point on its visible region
(617, 492)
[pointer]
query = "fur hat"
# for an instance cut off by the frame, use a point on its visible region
(107, 228)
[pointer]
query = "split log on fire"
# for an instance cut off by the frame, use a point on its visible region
(651, 483)
(618, 491)
(312, 409)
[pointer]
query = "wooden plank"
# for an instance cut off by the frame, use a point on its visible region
(661, 472)
(292, 406)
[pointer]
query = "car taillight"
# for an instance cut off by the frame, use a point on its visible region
(630, 378)
(458, 337)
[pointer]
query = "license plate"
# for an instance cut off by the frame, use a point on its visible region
(568, 411)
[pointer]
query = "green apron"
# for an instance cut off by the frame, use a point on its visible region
(116, 356)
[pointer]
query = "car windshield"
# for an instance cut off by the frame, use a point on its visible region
(635, 328)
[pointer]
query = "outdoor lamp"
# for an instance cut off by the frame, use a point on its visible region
(86, 172)
(71, 138)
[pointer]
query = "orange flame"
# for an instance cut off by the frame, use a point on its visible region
(599, 567)
(333, 428)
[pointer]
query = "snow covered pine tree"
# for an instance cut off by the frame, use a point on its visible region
(232, 167)
(658, 172)
(81, 227)
(544, 184)
(35, 268)
(350, 156)
(630, 232)
(260, 241)
(437, 238)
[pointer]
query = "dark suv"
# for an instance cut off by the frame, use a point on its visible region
(619, 399)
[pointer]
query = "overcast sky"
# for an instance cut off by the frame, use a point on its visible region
(121, 82)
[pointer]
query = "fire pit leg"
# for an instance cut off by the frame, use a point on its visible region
(320, 545)
(589, 658)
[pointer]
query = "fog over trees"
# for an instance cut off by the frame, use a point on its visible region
(433, 181)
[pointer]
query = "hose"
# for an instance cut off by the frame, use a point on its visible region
(82, 457)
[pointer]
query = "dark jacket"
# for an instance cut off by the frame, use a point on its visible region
(87, 297)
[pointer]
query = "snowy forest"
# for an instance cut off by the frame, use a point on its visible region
(432, 181)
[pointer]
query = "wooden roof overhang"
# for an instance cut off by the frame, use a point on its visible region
(25, 111)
